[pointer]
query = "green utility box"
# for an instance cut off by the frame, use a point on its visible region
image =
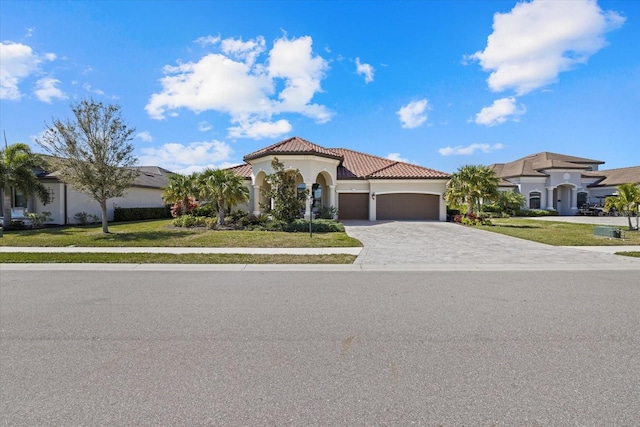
(607, 231)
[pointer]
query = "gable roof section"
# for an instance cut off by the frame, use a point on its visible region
(292, 146)
(357, 165)
(534, 164)
(613, 177)
(353, 164)
(243, 170)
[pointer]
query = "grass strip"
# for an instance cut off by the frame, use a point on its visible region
(144, 258)
(558, 233)
(632, 254)
(157, 233)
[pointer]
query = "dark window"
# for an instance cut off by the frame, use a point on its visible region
(534, 200)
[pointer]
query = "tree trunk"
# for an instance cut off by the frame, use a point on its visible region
(221, 212)
(105, 219)
(6, 207)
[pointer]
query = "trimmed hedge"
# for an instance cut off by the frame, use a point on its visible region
(317, 226)
(140, 214)
(535, 212)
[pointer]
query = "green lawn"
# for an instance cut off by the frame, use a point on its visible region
(173, 258)
(162, 233)
(558, 233)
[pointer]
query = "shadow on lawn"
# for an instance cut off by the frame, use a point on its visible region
(518, 226)
(152, 236)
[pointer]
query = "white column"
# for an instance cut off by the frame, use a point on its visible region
(332, 198)
(550, 198)
(256, 200)
(574, 199)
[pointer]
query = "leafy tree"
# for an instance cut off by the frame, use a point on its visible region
(17, 162)
(93, 152)
(181, 189)
(627, 202)
(470, 185)
(224, 187)
(510, 201)
(283, 192)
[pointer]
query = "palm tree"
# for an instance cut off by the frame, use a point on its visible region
(181, 189)
(17, 162)
(627, 202)
(471, 185)
(224, 187)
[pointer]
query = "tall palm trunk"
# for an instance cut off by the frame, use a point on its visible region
(221, 211)
(6, 207)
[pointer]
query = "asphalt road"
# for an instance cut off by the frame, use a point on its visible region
(490, 348)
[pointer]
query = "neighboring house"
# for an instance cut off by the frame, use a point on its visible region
(146, 191)
(562, 183)
(359, 185)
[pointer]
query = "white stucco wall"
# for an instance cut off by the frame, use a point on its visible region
(135, 197)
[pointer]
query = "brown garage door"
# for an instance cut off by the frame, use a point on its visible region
(406, 206)
(353, 206)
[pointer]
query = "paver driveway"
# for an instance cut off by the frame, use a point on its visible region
(407, 242)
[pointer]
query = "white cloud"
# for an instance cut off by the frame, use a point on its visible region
(204, 126)
(181, 157)
(413, 114)
(247, 52)
(537, 40)
(470, 149)
(233, 82)
(145, 136)
(365, 69)
(499, 112)
(46, 90)
(89, 89)
(397, 158)
(17, 61)
(260, 129)
(206, 40)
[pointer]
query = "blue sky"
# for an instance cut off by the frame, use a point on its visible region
(437, 83)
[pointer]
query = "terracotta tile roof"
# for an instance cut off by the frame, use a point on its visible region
(613, 177)
(357, 165)
(244, 170)
(294, 145)
(534, 164)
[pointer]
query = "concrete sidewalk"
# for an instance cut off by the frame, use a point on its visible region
(248, 251)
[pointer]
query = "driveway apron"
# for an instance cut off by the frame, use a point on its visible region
(408, 242)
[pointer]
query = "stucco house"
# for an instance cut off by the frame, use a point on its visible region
(145, 191)
(359, 185)
(561, 182)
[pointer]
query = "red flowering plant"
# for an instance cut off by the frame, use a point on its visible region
(177, 209)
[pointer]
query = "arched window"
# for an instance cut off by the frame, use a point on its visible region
(534, 200)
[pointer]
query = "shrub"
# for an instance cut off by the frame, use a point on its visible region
(140, 214)
(15, 225)
(84, 218)
(187, 221)
(535, 212)
(37, 220)
(176, 209)
(327, 212)
(317, 226)
(206, 209)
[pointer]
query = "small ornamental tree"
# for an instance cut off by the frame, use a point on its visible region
(283, 192)
(627, 202)
(93, 152)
